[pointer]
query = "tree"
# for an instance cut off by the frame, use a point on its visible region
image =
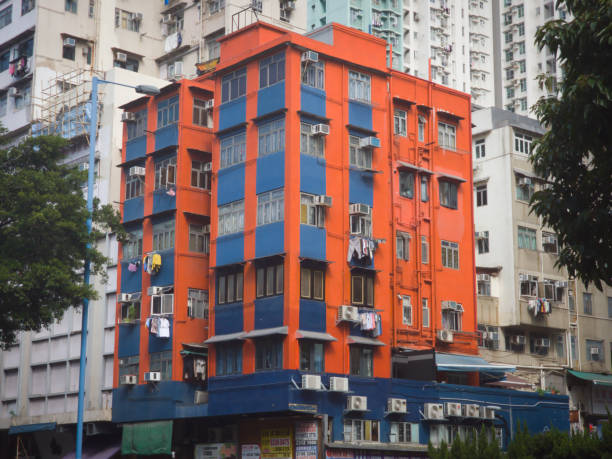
(479, 444)
(43, 236)
(574, 154)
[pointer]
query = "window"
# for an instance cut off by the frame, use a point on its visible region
(406, 310)
(361, 225)
(162, 362)
(520, 11)
(425, 310)
(362, 288)
(200, 112)
(68, 51)
(528, 285)
(270, 207)
(165, 173)
(403, 432)
(310, 144)
(424, 250)
(312, 283)
(403, 246)
(450, 254)
(231, 218)
(70, 6)
(162, 304)
(508, 37)
(167, 112)
(424, 188)
(509, 55)
(573, 348)
(134, 186)
(130, 312)
(233, 150)
(215, 5)
(272, 70)
(361, 430)
(233, 85)
(549, 242)
(230, 285)
(481, 195)
(229, 358)
(126, 20)
(359, 86)
(214, 47)
(3, 103)
(399, 122)
(448, 194)
(447, 136)
(137, 128)
(92, 4)
(27, 6)
(199, 238)
(422, 122)
(594, 350)
(163, 235)
(482, 241)
(524, 187)
(200, 178)
(522, 66)
(5, 58)
(23, 99)
(552, 290)
(526, 238)
(310, 213)
(359, 157)
(270, 280)
(451, 319)
(132, 248)
(523, 84)
(268, 354)
(271, 137)
(197, 303)
(406, 184)
(128, 366)
(313, 74)
(523, 102)
(507, 18)
(361, 361)
(522, 143)
(479, 148)
(311, 356)
(587, 303)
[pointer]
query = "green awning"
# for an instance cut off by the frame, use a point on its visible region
(190, 352)
(147, 438)
(595, 378)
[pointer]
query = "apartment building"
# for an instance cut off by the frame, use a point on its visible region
(529, 313)
(321, 294)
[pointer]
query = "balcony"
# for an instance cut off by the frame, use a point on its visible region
(556, 319)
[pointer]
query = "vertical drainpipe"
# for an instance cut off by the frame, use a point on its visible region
(393, 224)
(471, 191)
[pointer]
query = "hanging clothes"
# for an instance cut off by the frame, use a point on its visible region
(164, 328)
(132, 267)
(354, 249)
(156, 262)
(154, 326)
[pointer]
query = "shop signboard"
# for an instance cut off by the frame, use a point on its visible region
(215, 451)
(277, 443)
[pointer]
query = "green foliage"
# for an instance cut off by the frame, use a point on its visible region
(575, 152)
(43, 236)
(480, 446)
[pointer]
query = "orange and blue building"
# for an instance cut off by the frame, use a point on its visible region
(302, 253)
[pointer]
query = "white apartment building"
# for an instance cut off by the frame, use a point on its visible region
(530, 314)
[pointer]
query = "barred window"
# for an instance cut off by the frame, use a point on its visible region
(271, 137)
(310, 144)
(399, 122)
(233, 150)
(359, 86)
(447, 136)
(231, 218)
(270, 207)
(313, 74)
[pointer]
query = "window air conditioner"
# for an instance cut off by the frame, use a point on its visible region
(433, 411)
(155, 290)
(542, 342)
(396, 405)
(338, 384)
(471, 410)
(348, 314)
(561, 284)
(69, 42)
(594, 351)
(323, 200)
(13, 92)
(551, 240)
(152, 376)
(129, 380)
(357, 403)
(208, 167)
(310, 56)
(524, 181)
(452, 409)
(311, 382)
(518, 340)
(121, 57)
(167, 18)
(209, 104)
(320, 129)
(369, 142)
(449, 305)
(483, 277)
(358, 208)
(289, 5)
(446, 336)
(128, 117)
(137, 171)
(125, 298)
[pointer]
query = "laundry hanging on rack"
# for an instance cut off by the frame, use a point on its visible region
(361, 248)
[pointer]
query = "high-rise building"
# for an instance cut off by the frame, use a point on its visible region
(336, 303)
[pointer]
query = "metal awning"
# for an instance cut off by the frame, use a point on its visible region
(596, 378)
(459, 363)
(224, 338)
(414, 167)
(28, 428)
(267, 332)
(364, 341)
(454, 178)
(316, 336)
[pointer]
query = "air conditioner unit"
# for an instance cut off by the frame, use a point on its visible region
(310, 56)
(348, 313)
(311, 382)
(551, 240)
(542, 342)
(84, 167)
(360, 209)
(471, 410)
(483, 277)
(449, 305)
(167, 18)
(289, 5)
(155, 290)
(480, 235)
(524, 181)
(125, 298)
(320, 129)
(452, 409)
(128, 117)
(209, 104)
(487, 413)
(69, 42)
(200, 397)
(396, 405)
(594, 351)
(357, 403)
(121, 57)
(518, 340)
(446, 336)
(561, 284)
(137, 171)
(128, 380)
(369, 142)
(323, 200)
(152, 376)
(207, 167)
(433, 411)
(13, 92)
(338, 384)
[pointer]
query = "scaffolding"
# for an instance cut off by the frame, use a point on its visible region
(64, 107)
